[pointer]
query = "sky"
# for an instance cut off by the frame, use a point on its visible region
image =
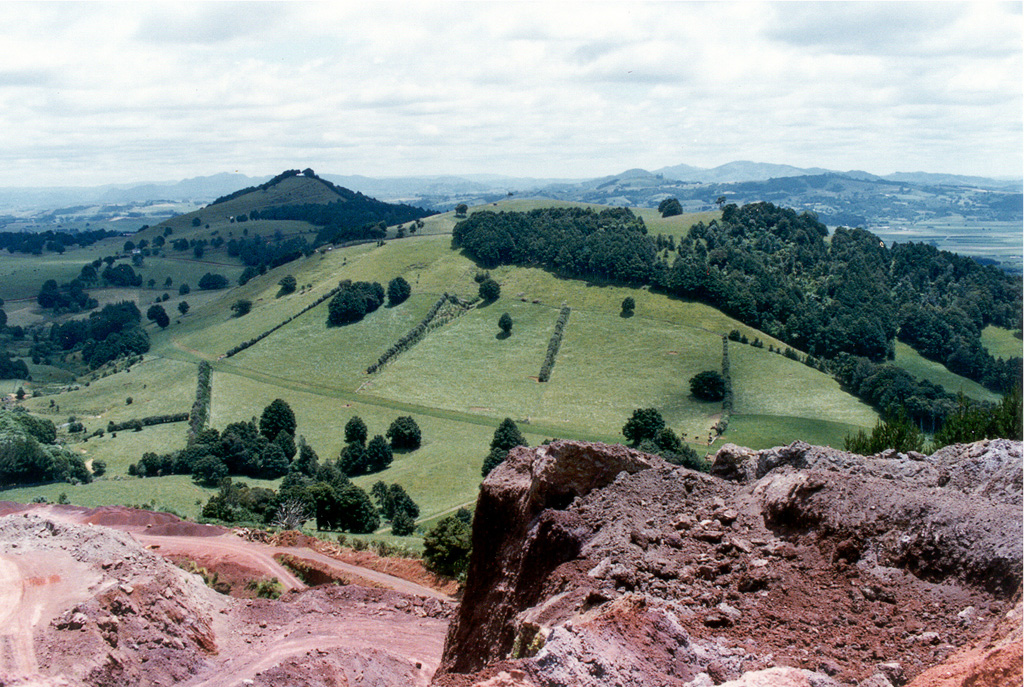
(94, 93)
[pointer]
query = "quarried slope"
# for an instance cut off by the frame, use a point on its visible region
(837, 568)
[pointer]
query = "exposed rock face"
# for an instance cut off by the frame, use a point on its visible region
(595, 565)
(521, 521)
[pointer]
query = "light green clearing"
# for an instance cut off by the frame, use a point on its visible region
(919, 366)
(1001, 343)
(458, 382)
(333, 356)
(766, 431)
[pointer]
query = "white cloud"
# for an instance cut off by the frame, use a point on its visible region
(91, 93)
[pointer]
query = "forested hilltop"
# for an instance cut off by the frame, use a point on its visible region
(840, 298)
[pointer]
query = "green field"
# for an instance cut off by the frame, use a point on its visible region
(458, 382)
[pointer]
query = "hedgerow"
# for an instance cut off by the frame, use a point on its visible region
(554, 344)
(413, 336)
(146, 421)
(242, 346)
(200, 414)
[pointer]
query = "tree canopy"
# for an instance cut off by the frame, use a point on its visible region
(277, 417)
(644, 423)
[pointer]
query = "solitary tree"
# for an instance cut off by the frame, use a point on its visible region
(645, 423)
(507, 436)
(183, 307)
(287, 285)
(628, 305)
(398, 291)
(461, 209)
(241, 307)
(157, 314)
(505, 323)
(404, 433)
(670, 207)
(708, 385)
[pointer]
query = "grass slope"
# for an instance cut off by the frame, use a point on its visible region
(919, 366)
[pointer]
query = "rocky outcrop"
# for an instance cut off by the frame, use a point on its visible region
(522, 531)
(800, 565)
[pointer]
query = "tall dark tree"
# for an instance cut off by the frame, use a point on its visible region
(355, 431)
(354, 460)
(507, 436)
(628, 305)
(308, 462)
(378, 454)
(277, 417)
(505, 323)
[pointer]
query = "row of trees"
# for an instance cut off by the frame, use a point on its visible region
(34, 243)
(411, 337)
(554, 343)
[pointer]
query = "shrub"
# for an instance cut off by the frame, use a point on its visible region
(210, 281)
(628, 305)
(489, 290)
(241, 307)
(446, 547)
(505, 323)
(708, 385)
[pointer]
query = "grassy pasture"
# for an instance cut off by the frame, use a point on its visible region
(1001, 342)
(607, 366)
(919, 366)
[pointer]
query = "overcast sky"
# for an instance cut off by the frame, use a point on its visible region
(96, 93)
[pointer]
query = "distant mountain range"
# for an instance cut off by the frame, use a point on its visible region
(853, 198)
